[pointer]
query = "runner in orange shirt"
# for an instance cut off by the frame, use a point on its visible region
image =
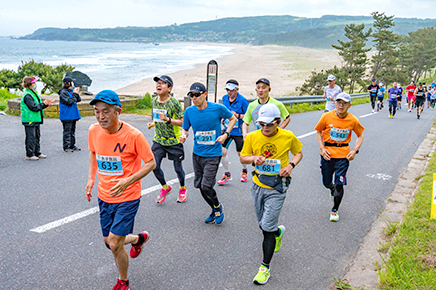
(116, 151)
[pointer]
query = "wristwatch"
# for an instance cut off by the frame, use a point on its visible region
(169, 120)
(292, 164)
(357, 151)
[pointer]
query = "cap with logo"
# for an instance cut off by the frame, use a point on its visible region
(263, 80)
(343, 96)
(268, 113)
(108, 97)
(165, 79)
(197, 88)
(331, 78)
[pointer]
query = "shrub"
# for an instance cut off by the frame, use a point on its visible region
(5, 95)
(144, 102)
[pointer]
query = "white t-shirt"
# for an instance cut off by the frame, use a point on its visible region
(330, 105)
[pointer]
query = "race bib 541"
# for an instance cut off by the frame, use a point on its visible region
(339, 135)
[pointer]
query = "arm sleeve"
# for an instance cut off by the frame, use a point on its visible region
(30, 103)
(77, 96)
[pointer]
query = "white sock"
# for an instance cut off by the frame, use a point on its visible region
(225, 163)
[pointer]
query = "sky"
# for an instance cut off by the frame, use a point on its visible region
(18, 18)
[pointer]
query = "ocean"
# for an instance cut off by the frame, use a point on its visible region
(110, 65)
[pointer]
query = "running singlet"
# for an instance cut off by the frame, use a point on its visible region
(118, 155)
(166, 134)
(274, 148)
(420, 93)
(254, 107)
(206, 125)
(330, 105)
(338, 130)
(373, 90)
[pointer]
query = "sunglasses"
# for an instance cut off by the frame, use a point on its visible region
(267, 124)
(193, 95)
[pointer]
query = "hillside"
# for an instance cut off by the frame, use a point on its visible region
(283, 30)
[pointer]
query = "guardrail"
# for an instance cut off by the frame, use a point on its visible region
(306, 99)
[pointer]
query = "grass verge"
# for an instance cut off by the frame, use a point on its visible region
(307, 107)
(5, 95)
(412, 255)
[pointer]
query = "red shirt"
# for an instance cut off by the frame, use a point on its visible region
(410, 90)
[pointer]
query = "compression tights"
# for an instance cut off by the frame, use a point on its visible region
(209, 195)
(269, 243)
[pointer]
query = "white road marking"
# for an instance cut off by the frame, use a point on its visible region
(367, 115)
(306, 135)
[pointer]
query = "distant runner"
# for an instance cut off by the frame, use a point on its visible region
(393, 99)
(420, 99)
(167, 119)
(330, 93)
(373, 90)
(263, 88)
(238, 105)
(268, 148)
(410, 89)
(333, 133)
(400, 97)
(116, 152)
(205, 119)
(380, 96)
(433, 96)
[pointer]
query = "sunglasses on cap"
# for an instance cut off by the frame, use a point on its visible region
(267, 124)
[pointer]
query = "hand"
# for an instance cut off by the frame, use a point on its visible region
(258, 160)
(286, 171)
(48, 102)
(119, 188)
(182, 138)
(76, 90)
(150, 125)
(163, 117)
(221, 138)
(88, 189)
(325, 154)
(351, 155)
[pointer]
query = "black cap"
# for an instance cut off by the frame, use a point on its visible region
(198, 88)
(420, 84)
(373, 80)
(232, 81)
(164, 78)
(68, 80)
(263, 80)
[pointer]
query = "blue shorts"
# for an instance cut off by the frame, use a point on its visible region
(118, 218)
(336, 166)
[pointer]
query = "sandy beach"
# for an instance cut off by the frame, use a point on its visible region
(286, 67)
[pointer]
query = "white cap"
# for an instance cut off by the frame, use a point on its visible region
(231, 86)
(331, 78)
(267, 113)
(343, 96)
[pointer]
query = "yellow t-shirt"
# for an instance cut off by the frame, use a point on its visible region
(338, 130)
(118, 155)
(274, 148)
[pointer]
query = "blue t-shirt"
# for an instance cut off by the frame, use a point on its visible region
(393, 93)
(206, 125)
(239, 106)
(381, 92)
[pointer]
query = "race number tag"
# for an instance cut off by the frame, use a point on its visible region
(226, 123)
(205, 137)
(374, 90)
(393, 96)
(109, 165)
(156, 116)
(339, 135)
(419, 94)
(270, 166)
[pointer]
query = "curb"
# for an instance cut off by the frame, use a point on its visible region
(361, 272)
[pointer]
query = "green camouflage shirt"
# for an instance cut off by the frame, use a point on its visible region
(166, 134)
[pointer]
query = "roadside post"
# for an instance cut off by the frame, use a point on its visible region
(212, 79)
(433, 204)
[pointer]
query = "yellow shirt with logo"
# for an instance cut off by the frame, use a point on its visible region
(275, 147)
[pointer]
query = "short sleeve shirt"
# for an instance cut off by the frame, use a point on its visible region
(410, 90)
(254, 107)
(330, 105)
(118, 155)
(276, 148)
(373, 90)
(166, 134)
(239, 106)
(393, 93)
(338, 130)
(206, 125)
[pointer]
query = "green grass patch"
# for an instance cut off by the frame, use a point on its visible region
(412, 256)
(308, 107)
(5, 95)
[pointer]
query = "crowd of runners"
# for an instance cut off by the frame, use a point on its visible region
(121, 156)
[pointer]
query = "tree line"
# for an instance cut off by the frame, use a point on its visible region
(392, 57)
(50, 76)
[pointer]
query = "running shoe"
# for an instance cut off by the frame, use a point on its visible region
(163, 194)
(373, 111)
(219, 215)
(121, 285)
(68, 150)
(334, 216)
(211, 218)
(417, 116)
(42, 156)
(182, 195)
(136, 250)
(244, 177)
(32, 158)
(282, 229)
(225, 179)
(390, 116)
(262, 276)
(75, 148)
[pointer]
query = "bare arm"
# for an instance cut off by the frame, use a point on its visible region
(92, 171)
(352, 153)
(244, 130)
(222, 138)
(183, 136)
(324, 152)
(285, 122)
(286, 171)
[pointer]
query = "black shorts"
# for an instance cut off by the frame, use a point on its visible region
(380, 99)
(420, 101)
(239, 141)
(205, 169)
(174, 152)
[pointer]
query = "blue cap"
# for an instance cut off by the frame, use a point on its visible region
(197, 88)
(263, 80)
(108, 97)
(165, 79)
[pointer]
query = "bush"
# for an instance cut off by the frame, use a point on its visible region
(5, 95)
(144, 102)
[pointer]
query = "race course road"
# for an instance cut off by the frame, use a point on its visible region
(40, 249)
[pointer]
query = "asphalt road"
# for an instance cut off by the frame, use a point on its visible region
(184, 252)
